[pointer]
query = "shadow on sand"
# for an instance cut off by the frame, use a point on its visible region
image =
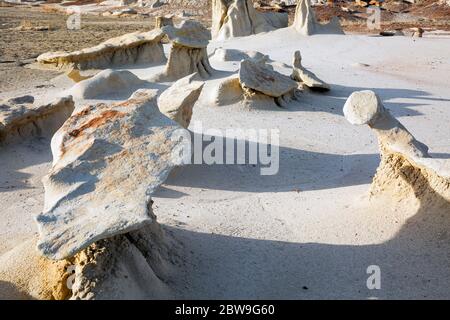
(414, 263)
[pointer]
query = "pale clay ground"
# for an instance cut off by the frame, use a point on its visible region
(307, 232)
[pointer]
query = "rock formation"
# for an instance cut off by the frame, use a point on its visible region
(161, 21)
(255, 78)
(307, 78)
(107, 82)
(134, 265)
(107, 161)
(129, 49)
(305, 21)
(256, 85)
(177, 101)
(406, 169)
(238, 18)
(20, 117)
(188, 52)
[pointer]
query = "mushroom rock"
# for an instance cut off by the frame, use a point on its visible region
(21, 117)
(177, 101)
(406, 169)
(107, 82)
(108, 159)
(309, 79)
(188, 52)
(256, 77)
(238, 18)
(129, 49)
(305, 21)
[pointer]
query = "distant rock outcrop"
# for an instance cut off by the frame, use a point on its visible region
(107, 162)
(238, 18)
(305, 21)
(129, 49)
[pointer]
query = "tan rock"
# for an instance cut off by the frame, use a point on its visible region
(307, 78)
(129, 49)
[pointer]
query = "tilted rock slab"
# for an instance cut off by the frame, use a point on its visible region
(129, 49)
(406, 168)
(309, 79)
(305, 21)
(238, 18)
(259, 78)
(177, 101)
(188, 52)
(107, 161)
(21, 118)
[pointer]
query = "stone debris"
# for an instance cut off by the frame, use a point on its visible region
(20, 117)
(129, 49)
(238, 18)
(307, 78)
(177, 101)
(108, 159)
(305, 21)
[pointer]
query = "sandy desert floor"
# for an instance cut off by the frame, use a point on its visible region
(309, 231)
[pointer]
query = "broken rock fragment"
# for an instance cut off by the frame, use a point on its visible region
(107, 161)
(257, 77)
(309, 79)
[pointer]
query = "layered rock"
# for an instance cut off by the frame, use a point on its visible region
(255, 78)
(177, 101)
(256, 85)
(129, 49)
(238, 18)
(107, 82)
(305, 77)
(305, 21)
(21, 118)
(406, 170)
(134, 265)
(188, 52)
(107, 161)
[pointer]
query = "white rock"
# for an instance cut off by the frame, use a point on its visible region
(177, 101)
(107, 162)
(107, 82)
